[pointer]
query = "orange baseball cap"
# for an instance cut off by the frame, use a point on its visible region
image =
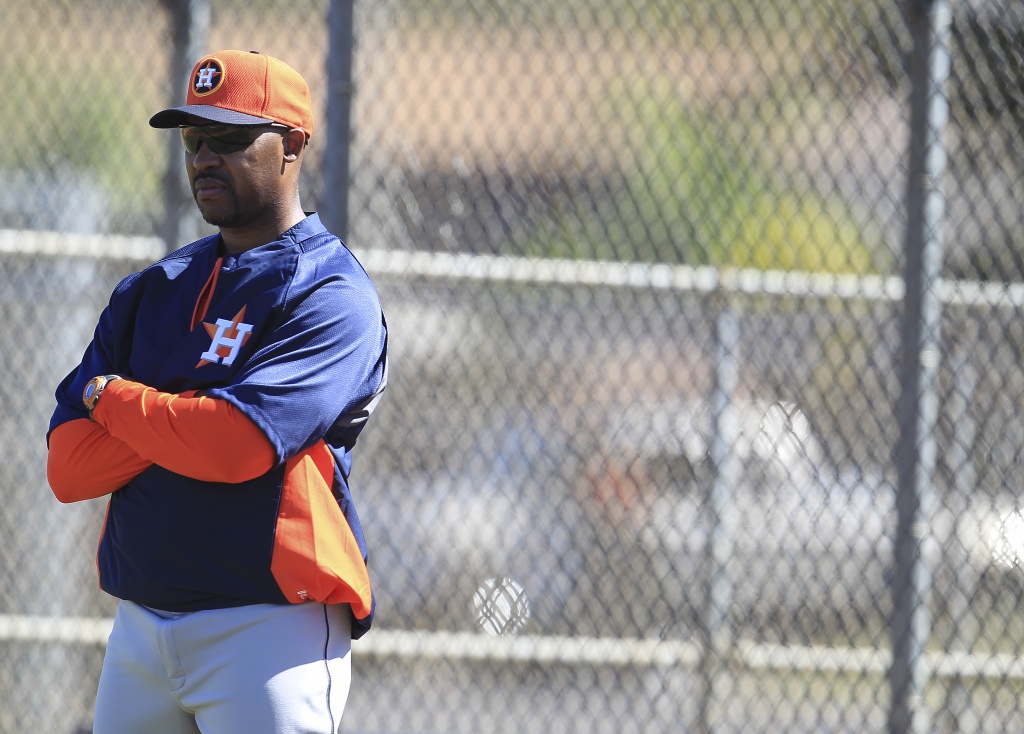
(242, 88)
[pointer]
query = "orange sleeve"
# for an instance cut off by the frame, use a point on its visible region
(198, 437)
(85, 461)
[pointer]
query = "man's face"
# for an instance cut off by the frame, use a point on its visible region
(235, 172)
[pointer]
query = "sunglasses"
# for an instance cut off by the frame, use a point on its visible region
(223, 139)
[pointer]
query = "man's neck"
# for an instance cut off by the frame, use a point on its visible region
(240, 239)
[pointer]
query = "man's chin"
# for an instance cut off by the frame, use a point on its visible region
(217, 217)
(217, 221)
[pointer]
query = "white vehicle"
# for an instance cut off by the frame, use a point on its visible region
(617, 532)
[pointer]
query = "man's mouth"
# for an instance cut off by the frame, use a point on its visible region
(208, 185)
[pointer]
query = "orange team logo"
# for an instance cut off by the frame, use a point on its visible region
(227, 337)
(208, 78)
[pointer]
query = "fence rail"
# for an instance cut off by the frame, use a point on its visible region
(549, 271)
(634, 653)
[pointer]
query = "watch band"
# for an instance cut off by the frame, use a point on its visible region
(94, 389)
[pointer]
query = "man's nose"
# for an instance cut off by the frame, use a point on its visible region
(204, 157)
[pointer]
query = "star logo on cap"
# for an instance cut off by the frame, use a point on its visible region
(208, 77)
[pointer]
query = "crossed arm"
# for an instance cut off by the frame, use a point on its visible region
(137, 426)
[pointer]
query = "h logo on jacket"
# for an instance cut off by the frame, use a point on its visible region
(228, 337)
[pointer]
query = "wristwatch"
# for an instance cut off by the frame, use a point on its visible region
(95, 388)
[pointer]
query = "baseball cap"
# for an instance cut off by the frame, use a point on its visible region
(242, 88)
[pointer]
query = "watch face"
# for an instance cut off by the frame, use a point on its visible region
(92, 391)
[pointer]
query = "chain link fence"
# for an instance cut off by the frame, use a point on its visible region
(706, 329)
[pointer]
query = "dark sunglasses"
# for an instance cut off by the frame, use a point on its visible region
(223, 139)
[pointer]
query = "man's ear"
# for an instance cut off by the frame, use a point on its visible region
(294, 141)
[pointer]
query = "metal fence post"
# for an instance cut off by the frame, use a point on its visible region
(334, 201)
(714, 661)
(190, 27)
(917, 410)
(960, 583)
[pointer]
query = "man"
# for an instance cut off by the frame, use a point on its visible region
(218, 404)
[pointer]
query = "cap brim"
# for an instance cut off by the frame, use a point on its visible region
(200, 114)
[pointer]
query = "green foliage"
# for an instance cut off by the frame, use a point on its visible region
(687, 193)
(784, 231)
(80, 117)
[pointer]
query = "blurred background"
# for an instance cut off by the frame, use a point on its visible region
(705, 403)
